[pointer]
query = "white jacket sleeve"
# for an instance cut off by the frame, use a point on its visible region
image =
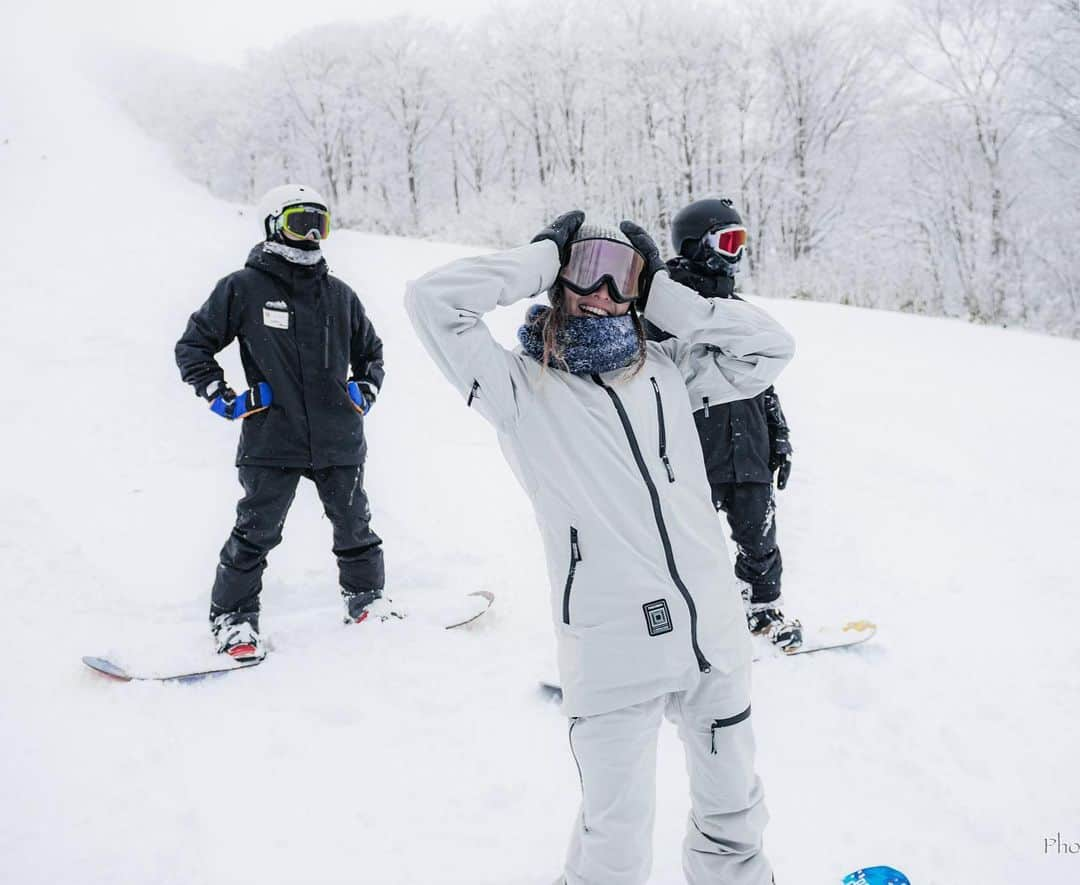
(447, 305)
(747, 346)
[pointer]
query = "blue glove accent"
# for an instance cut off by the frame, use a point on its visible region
(223, 407)
(247, 403)
(876, 876)
(359, 402)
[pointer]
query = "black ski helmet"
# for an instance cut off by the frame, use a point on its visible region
(691, 223)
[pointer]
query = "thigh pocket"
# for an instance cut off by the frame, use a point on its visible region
(729, 722)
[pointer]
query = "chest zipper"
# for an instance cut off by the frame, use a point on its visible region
(663, 431)
(326, 343)
(575, 558)
(286, 296)
(669, 554)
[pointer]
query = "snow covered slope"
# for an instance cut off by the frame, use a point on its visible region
(934, 491)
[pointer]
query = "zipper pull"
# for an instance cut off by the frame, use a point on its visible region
(670, 472)
(472, 393)
(706, 407)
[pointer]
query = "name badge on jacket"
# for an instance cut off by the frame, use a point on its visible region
(275, 319)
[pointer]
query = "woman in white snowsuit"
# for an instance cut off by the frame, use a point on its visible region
(602, 439)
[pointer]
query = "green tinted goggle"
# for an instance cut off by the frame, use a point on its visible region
(306, 222)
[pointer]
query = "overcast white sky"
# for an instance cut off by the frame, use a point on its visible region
(225, 30)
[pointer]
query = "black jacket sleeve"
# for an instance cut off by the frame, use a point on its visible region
(365, 352)
(779, 433)
(209, 330)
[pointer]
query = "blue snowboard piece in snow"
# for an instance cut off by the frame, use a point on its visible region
(876, 876)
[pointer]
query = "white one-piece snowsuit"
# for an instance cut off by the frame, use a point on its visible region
(648, 620)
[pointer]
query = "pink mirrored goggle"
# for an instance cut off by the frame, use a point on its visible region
(595, 262)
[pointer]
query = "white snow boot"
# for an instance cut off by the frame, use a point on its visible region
(766, 619)
(370, 605)
(240, 640)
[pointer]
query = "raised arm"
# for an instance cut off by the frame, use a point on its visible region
(749, 347)
(447, 306)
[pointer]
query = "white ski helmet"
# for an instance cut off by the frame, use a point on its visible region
(278, 199)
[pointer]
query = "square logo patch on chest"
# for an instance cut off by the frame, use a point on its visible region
(657, 617)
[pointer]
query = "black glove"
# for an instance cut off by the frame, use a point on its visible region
(780, 449)
(561, 232)
(644, 244)
(780, 461)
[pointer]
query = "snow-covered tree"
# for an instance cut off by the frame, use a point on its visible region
(919, 159)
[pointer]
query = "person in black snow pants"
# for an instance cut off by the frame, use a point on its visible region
(745, 441)
(314, 366)
(596, 426)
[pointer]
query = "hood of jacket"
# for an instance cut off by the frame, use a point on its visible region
(283, 269)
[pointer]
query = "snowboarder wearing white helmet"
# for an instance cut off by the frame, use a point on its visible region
(596, 425)
(314, 367)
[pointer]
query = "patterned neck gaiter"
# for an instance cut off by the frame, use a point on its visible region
(306, 257)
(588, 345)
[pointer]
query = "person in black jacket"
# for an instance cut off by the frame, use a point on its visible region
(744, 442)
(314, 365)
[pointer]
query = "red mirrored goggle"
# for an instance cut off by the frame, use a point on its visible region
(729, 241)
(595, 262)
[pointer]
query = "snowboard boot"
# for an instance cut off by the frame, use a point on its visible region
(369, 604)
(237, 635)
(766, 619)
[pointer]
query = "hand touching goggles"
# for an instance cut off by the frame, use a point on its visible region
(595, 262)
(729, 241)
(304, 221)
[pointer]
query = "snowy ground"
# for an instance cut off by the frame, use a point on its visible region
(933, 492)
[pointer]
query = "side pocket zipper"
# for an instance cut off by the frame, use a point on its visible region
(581, 778)
(663, 431)
(575, 558)
(725, 723)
